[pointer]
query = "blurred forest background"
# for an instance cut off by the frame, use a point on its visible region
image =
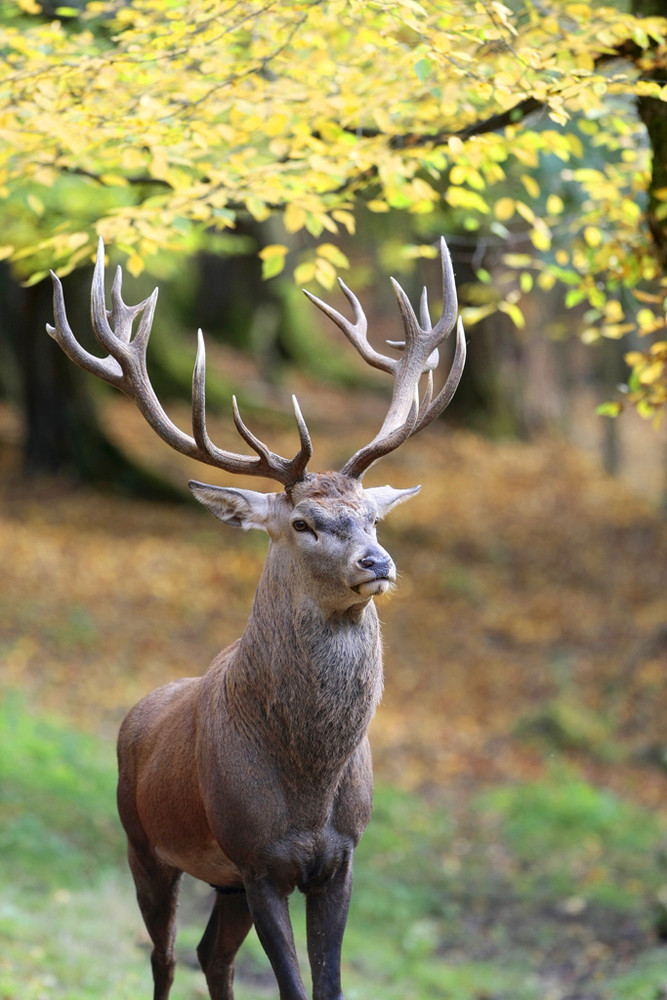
(517, 848)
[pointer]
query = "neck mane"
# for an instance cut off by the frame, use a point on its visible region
(307, 680)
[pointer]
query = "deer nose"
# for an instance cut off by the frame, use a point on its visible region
(379, 561)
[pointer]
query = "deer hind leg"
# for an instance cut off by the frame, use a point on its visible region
(225, 932)
(157, 888)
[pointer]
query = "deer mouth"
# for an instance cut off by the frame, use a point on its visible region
(373, 588)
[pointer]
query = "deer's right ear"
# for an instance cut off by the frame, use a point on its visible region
(239, 508)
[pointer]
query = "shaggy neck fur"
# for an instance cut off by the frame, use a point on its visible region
(307, 679)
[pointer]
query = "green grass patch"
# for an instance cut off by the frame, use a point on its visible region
(572, 838)
(57, 801)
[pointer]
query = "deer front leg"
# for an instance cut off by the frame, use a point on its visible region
(327, 907)
(270, 913)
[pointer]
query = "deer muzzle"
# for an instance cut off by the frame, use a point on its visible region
(375, 571)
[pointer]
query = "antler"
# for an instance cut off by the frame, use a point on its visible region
(125, 368)
(419, 356)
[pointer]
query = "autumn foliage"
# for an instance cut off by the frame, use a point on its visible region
(159, 124)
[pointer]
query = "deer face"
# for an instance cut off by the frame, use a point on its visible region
(325, 527)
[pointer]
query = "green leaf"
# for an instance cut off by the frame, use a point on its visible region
(573, 297)
(423, 69)
(609, 409)
(271, 266)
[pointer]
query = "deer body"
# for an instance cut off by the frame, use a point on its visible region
(256, 777)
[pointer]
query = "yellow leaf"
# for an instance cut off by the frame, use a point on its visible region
(276, 125)
(540, 238)
(512, 310)
(474, 314)
(531, 185)
(555, 204)
(504, 209)
(517, 260)
(460, 197)
(458, 174)
(304, 273)
(590, 335)
(257, 208)
(114, 180)
(613, 311)
(652, 373)
(325, 273)
(592, 236)
(135, 265)
(376, 205)
(346, 219)
(525, 211)
(417, 251)
(273, 250)
(614, 331)
(546, 280)
(295, 218)
(333, 254)
(645, 318)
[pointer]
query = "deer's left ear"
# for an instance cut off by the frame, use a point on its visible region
(239, 508)
(386, 498)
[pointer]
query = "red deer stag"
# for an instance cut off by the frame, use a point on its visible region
(256, 777)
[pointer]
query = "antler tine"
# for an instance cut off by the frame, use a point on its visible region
(450, 302)
(293, 469)
(419, 355)
(126, 369)
(357, 332)
(105, 368)
(430, 410)
(424, 314)
(305, 454)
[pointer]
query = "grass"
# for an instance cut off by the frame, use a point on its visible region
(577, 839)
(484, 906)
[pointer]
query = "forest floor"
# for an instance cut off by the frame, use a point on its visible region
(525, 691)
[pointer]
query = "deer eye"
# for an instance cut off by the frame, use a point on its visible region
(300, 525)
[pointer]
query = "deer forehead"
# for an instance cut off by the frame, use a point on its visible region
(333, 503)
(336, 518)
